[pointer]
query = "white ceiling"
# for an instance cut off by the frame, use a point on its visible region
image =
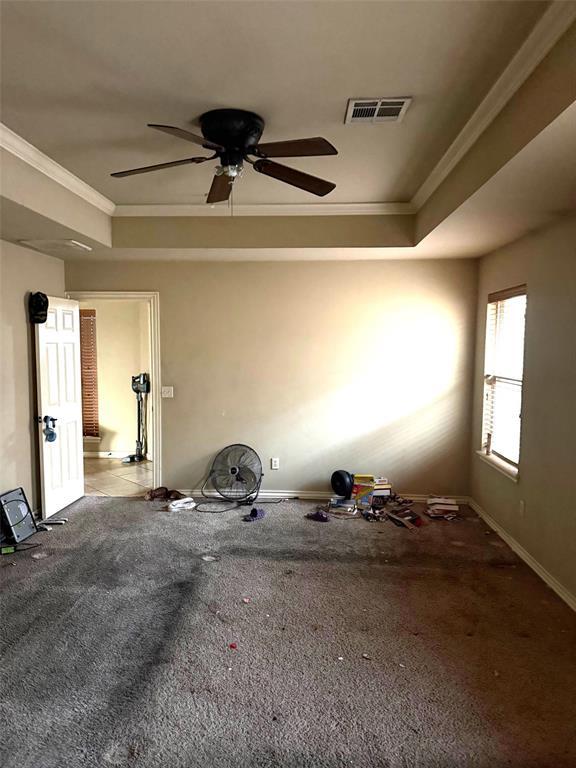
(80, 80)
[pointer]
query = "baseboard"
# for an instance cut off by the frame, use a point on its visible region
(545, 575)
(325, 495)
(423, 497)
(105, 454)
(304, 495)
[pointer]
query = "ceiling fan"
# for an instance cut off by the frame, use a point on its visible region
(233, 135)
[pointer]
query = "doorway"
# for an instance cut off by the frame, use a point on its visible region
(120, 392)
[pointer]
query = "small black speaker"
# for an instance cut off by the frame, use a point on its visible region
(342, 483)
(38, 307)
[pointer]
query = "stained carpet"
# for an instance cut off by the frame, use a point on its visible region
(357, 644)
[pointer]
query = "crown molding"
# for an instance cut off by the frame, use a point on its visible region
(297, 209)
(552, 25)
(22, 149)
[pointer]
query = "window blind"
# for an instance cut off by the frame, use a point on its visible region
(503, 374)
(89, 371)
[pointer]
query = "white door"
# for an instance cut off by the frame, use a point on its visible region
(60, 399)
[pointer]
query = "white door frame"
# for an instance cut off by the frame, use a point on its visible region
(152, 298)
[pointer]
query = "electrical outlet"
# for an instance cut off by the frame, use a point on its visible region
(167, 391)
(522, 507)
(275, 463)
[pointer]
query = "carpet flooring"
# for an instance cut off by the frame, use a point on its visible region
(353, 644)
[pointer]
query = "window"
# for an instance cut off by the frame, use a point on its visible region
(89, 370)
(503, 372)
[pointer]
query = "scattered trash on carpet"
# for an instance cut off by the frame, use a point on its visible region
(182, 505)
(256, 513)
(210, 558)
(162, 494)
(440, 508)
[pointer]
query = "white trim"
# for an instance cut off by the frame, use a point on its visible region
(266, 494)
(423, 497)
(296, 209)
(153, 299)
(500, 466)
(546, 576)
(106, 454)
(21, 148)
(322, 495)
(551, 26)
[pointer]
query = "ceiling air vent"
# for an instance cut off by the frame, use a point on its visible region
(377, 110)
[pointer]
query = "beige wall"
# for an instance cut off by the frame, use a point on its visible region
(178, 232)
(123, 348)
(21, 271)
(364, 366)
(546, 262)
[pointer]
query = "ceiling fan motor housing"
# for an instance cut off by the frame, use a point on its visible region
(234, 129)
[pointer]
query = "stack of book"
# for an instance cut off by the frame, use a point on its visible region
(442, 508)
(382, 492)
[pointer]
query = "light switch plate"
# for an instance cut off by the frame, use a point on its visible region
(167, 391)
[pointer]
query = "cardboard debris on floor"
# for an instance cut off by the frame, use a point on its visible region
(374, 499)
(405, 517)
(440, 508)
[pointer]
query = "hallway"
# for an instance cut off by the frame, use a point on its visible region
(110, 477)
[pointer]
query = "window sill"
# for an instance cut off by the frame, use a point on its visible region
(90, 439)
(501, 466)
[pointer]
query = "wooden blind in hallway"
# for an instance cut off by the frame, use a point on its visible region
(90, 422)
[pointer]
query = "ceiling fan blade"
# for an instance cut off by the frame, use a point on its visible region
(296, 148)
(296, 178)
(159, 166)
(220, 189)
(186, 135)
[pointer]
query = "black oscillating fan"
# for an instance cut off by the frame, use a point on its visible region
(236, 474)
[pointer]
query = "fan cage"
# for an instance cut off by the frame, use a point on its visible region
(236, 474)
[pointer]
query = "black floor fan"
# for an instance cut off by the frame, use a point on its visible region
(235, 475)
(141, 386)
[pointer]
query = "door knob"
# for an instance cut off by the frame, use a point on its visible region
(49, 431)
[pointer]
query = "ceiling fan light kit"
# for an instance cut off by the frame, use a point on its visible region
(234, 137)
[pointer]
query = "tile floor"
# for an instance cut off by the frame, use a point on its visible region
(109, 477)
